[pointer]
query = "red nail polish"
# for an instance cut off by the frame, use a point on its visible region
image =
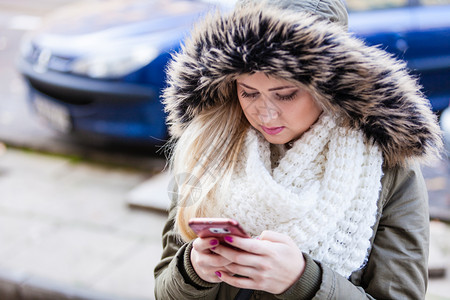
(213, 248)
(229, 239)
(218, 274)
(213, 242)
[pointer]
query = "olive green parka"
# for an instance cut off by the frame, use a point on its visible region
(396, 269)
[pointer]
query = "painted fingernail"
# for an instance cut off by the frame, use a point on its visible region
(213, 248)
(229, 239)
(213, 242)
(218, 274)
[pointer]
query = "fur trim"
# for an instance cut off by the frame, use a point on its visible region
(367, 88)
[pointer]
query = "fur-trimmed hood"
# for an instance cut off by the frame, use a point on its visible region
(364, 86)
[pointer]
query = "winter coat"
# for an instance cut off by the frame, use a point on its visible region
(396, 269)
(365, 89)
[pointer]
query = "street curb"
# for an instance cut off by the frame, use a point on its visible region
(439, 214)
(139, 162)
(20, 286)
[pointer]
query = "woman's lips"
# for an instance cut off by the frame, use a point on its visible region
(272, 130)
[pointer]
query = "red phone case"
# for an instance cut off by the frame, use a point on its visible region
(216, 227)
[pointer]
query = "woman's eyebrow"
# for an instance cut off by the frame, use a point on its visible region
(271, 89)
(246, 86)
(282, 87)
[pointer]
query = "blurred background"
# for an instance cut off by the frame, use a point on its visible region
(83, 191)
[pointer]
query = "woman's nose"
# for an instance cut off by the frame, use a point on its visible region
(267, 111)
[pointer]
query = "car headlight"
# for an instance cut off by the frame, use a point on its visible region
(26, 47)
(114, 64)
(445, 121)
(445, 126)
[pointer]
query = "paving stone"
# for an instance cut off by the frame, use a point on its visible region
(26, 195)
(38, 289)
(17, 232)
(71, 255)
(437, 265)
(440, 259)
(437, 180)
(152, 194)
(133, 276)
(91, 176)
(148, 225)
(28, 163)
(87, 205)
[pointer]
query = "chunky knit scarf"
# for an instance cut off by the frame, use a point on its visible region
(322, 193)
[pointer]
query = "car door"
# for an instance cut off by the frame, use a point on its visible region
(429, 49)
(385, 23)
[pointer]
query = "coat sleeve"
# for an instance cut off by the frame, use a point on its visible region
(175, 277)
(397, 265)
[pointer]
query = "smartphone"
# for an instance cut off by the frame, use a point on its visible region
(217, 227)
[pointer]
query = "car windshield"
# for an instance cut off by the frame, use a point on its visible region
(223, 3)
(85, 16)
(219, 1)
(435, 2)
(358, 5)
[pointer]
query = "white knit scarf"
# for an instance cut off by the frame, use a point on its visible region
(323, 193)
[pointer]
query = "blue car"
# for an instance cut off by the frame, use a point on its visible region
(95, 71)
(417, 31)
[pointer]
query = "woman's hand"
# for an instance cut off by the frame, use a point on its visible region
(271, 263)
(206, 263)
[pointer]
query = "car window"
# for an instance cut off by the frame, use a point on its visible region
(221, 3)
(358, 5)
(435, 2)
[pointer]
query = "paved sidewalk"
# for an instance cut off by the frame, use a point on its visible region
(67, 232)
(439, 288)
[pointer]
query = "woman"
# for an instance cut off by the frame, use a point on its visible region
(311, 140)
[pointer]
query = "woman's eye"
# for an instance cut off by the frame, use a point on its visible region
(244, 94)
(287, 97)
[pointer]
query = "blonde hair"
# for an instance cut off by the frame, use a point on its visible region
(203, 158)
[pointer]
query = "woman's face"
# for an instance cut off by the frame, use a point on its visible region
(279, 109)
